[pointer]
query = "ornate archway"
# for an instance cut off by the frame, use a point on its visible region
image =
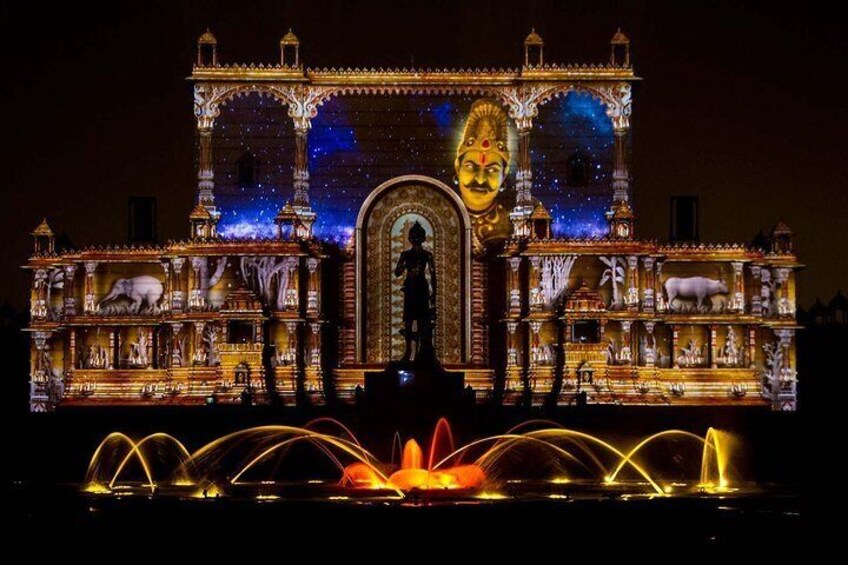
(381, 230)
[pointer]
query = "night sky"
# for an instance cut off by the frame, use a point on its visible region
(740, 105)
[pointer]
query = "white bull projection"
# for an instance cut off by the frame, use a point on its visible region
(698, 288)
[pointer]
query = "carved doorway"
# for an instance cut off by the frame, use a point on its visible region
(381, 235)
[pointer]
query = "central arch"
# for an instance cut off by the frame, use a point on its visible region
(380, 236)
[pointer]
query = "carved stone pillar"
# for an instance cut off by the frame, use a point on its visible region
(348, 353)
(511, 345)
(535, 343)
(177, 285)
(675, 338)
(514, 286)
(627, 337)
(72, 351)
(737, 303)
(41, 367)
(198, 358)
(292, 344)
(602, 330)
(631, 299)
(149, 352)
(312, 305)
(68, 298)
(536, 298)
(785, 308)
(293, 284)
(258, 334)
(751, 355)
(196, 300)
(756, 297)
(648, 304)
(165, 304)
(620, 174)
(38, 307)
(113, 348)
(176, 352)
(479, 322)
(651, 345)
(524, 174)
(89, 305)
(713, 346)
(768, 307)
(315, 346)
(205, 173)
(659, 296)
(301, 164)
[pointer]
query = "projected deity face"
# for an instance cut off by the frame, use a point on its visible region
(480, 175)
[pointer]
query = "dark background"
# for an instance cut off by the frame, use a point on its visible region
(741, 104)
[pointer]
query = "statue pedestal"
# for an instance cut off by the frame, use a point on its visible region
(415, 390)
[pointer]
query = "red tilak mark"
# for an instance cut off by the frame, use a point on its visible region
(485, 144)
(483, 158)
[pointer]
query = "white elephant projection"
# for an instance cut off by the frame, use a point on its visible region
(698, 288)
(141, 291)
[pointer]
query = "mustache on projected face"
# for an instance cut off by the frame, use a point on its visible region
(478, 187)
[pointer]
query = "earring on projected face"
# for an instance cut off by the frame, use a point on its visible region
(455, 181)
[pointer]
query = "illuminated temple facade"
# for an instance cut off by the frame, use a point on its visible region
(308, 183)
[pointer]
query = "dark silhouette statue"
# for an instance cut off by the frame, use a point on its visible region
(419, 299)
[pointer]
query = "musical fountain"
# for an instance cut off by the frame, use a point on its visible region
(325, 460)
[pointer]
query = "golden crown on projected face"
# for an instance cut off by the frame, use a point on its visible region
(485, 131)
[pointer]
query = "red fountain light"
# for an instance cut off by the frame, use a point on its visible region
(412, 473)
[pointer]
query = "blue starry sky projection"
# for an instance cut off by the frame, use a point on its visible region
(358, 142)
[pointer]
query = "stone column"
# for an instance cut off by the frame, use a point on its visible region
(293, 284)
(675, 337)
(523, 111)
(631, 299)
(315, 346)
(648, 290)
(177, 285)
(514, 286)
(620, 174)
(659, 297)
(301, 163)
(752, 347)
(68, 298)
(737, 303)
(258, 334)
(627, 337)
(512, 345)
(176, 357)
(72, 350)
(38, 306)
(784, 305)
(768, 306)
(166, 294)
(312, 304)
(42, 352)
(713, 337)
(198, 343)
(196, 300)
(479, 321)
(651, 349)
(756, 297)
(291, 342)
(89, 306)
(536, 298)
(349, 298)
(205, 173)
(535, 342)
(149, 352)
(113, 347)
